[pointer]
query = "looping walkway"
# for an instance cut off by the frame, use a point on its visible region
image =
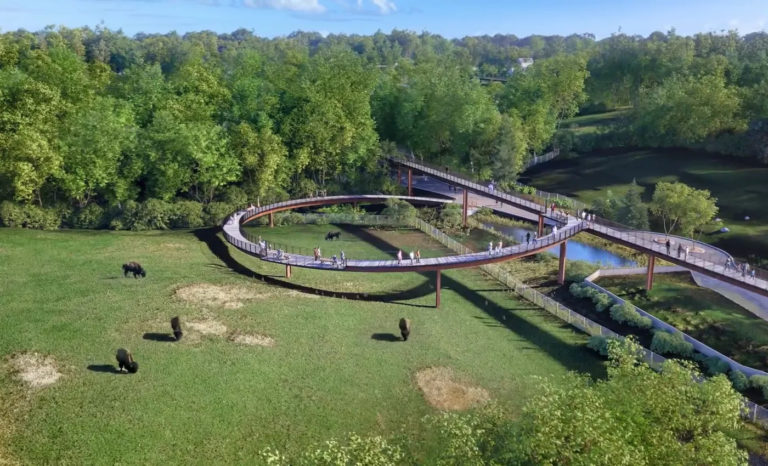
(234, 234)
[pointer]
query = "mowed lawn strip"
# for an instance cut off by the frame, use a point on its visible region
(207, 399)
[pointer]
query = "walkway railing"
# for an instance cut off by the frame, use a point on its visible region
(713, 260)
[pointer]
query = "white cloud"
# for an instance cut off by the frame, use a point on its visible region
(306, 6)
(385, 6)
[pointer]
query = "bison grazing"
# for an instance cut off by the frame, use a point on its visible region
(176, 326)
(125, 360)
(135, 268)
(333, 235)
(405, 328)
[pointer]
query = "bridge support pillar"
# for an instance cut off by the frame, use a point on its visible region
(464, 206)
(287, 271)
(271, 220)
(561, 270)
(540, 230)
(410, 182)
(437, 289)
(649, 272)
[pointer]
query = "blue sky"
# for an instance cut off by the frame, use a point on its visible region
(450, 18)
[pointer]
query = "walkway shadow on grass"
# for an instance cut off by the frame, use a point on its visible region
(105, 368)
(164, 337)
(385, 337)
(570, 355)
(220, 249)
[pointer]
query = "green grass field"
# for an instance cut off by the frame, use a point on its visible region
(738, 185)
(587, 124)
(336, 366)
(699, 312)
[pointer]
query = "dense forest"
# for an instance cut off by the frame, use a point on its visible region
(102, 130)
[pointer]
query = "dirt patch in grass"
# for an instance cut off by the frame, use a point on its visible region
(443, 392)
(253, 339)
(230, 296)
(208, 327)
(35, 370)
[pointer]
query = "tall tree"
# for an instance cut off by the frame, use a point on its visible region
(682, 208)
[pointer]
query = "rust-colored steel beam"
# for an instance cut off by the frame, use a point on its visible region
(561, 270)
(540, 229)
(649, 272)
(410, 182)
(287, 270)
(464, 207)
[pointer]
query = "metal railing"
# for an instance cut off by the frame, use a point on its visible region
(709, 258)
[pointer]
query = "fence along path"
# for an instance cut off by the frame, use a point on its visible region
(752, 411)
(710, 261)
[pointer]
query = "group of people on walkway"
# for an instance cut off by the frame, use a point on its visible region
(497, 250)
(414, 256)
(586, 216)
(744, 268)
(339, 261)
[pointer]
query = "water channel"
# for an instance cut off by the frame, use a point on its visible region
(575, 251)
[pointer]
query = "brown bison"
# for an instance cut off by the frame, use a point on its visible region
(176, 326)
(405, 328)
(125, 360)
(135, 268)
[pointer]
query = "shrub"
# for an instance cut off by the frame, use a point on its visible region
(215, 212)
(577, 290)
(154, 214)
(577, 271)
(288, 218)
(322, 220)
(90, 216)
(450, 215)
(627, 314)
(236, 197)
(666, 343)
(715, 366)
(739, 380)
(186, 214)
(29, 216)
(599, 344)
(399, 209)
(602, 301)
(760, 382)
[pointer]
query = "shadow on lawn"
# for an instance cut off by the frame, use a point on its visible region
(385, 337)
(164, 337)
(573, 356)
(220, 249)
(105, 368)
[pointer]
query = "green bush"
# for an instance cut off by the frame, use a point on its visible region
(186, 214)
(760, 382)
(399, 209)
(236, 197)
(739, 380)
(577, 271)
(322, 220)
(715, 366)
(289, 218)
(672, 344)
(91, 216)
(627, 314)
(214, 213)
(577, 290)
(599, 344)
(602, 301)
(29, 216)
(154, 214)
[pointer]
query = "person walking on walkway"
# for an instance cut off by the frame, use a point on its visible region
(554, 230)
(412, 255)
(528, 237)
(669, 245)
(418, 256)
(752, 273)
(490, 248)
(343, 259)
(498, 248)
(316, 252)
(679, 250)
(687, 250)
(399, 256)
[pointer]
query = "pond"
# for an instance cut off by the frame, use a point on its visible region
(576, 250)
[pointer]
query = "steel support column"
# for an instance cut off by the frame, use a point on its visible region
(410, 182)
(271, 220)
(464, 207)
(561, 270)
(437, 289)
(540, 230)
(649, 272)
(287, 271)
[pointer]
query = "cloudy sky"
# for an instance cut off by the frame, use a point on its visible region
(451, 18)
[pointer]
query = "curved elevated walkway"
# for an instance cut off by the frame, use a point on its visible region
(234, 234)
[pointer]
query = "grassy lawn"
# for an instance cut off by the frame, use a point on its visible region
(699, 312)
(334, 367)
(592, 123)
(738, 185)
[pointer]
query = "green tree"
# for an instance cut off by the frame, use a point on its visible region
(682, 208)
(631, 209)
